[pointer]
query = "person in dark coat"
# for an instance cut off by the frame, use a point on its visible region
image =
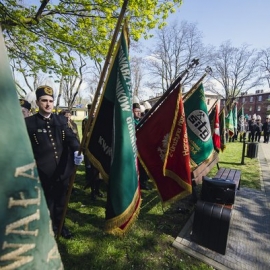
(266, 129)
(91, 172)
(26, 107)
(51, 139)
(258, 133)
(252, 128)
(70, 166)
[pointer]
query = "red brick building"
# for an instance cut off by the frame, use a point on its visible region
(256, 103)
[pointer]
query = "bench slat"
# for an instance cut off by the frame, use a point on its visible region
(232, 174)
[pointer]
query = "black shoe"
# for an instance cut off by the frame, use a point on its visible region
(66, 233)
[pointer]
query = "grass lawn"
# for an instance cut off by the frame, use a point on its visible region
(148, 245)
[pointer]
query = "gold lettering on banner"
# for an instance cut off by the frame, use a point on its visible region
(124, 67)
(24, 222)
(194, 148)
(25, 202)
(177, 137)
(175, 142)
(50, 226)
(15, 255)
(21, 171)
(53, 254)
(105, 147)
(131, 131)
(121, 96)
(185, 145)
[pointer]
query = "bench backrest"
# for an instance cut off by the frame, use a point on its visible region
(204, 168)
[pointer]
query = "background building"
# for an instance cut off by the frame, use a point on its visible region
(256, 103)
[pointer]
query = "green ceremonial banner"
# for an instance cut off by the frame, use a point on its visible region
(198, 127)
(26, 236)
(235, 116)
(229, 123)
(222, 130)
(111, 145)
(241, 120)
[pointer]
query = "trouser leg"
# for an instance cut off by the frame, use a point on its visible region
(59, 197)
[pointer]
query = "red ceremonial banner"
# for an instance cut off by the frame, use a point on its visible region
(163, 149)
(216, 132)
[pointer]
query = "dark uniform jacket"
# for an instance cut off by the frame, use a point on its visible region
(252, 127)
(266, 127)
(50, 139)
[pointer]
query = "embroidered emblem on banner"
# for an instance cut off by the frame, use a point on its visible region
(162, 149)
(198, 122)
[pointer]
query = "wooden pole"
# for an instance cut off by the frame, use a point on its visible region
(89, 121)
(195, 86)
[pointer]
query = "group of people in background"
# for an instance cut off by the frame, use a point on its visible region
(253, 128)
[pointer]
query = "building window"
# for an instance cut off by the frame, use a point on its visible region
(268, 107)
(259, 98)
(250, 108)
(251, 99)
(208, 101)
(74, 113)
(243, 100)
(259, 108)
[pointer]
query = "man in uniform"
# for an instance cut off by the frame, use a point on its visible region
(26, 107)
(136, 113)
(252, 128)
(51, 138)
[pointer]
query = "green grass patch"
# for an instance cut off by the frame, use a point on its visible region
(232, 158)
(148, 245)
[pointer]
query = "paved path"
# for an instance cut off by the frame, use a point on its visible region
(249, 237)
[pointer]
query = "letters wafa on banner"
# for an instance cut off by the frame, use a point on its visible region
(26, 236)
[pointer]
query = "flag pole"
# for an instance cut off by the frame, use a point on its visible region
(193, 64)
(208, 70)
(88, 123)
(213, 106)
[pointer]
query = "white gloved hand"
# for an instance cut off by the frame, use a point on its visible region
(78, 159)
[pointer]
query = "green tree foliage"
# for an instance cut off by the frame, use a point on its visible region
(35, 33)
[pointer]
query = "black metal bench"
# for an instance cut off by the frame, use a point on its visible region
(212, 220)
